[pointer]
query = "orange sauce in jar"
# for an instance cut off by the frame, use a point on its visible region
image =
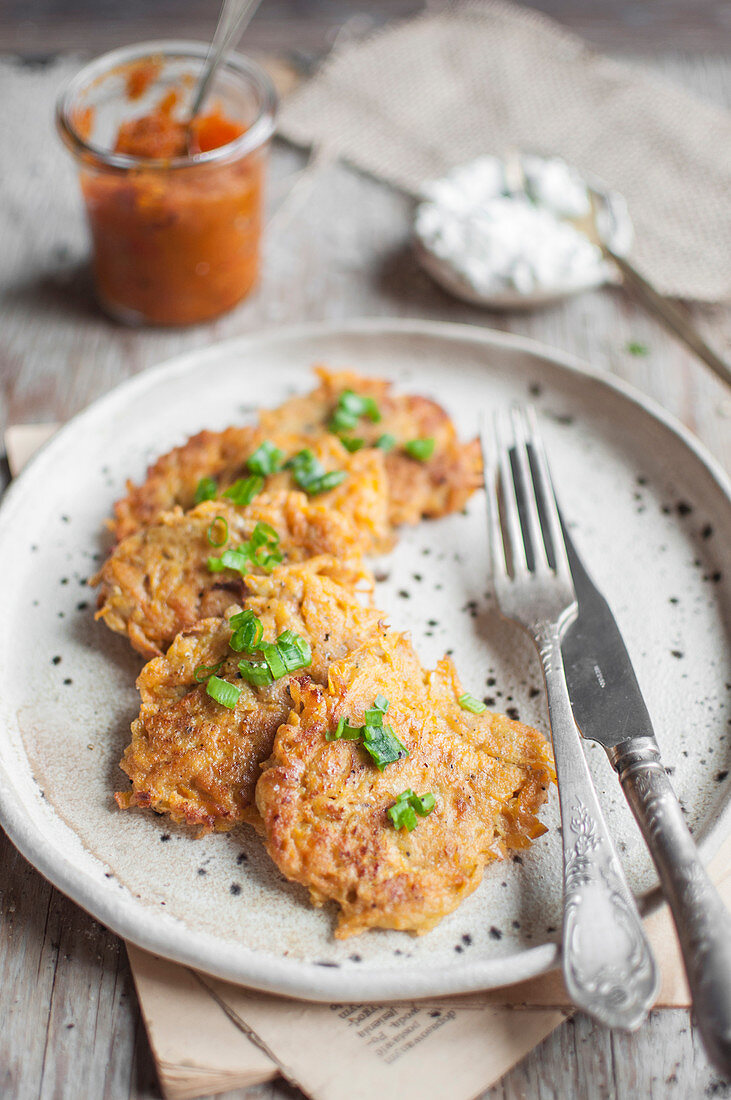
(175, 245)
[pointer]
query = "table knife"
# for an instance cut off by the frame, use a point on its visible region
(608, 707)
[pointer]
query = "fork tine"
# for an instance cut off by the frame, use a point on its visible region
(543, 484)
(490, 474)
(509, 514)
(530, 513)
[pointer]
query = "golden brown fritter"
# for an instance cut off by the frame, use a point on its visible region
(324, 803)
(172, 481)
(415, 489)
(157, 583)
(193, 758)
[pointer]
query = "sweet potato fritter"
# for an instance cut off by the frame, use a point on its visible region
(172, 481)
(324, 803)
(157, 582)
(415, 489)
(194, 759)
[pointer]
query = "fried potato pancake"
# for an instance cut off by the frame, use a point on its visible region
(414, 489)
(324, 803)
(157, 583)
(417, 490)
(192, 758)
(171, 482)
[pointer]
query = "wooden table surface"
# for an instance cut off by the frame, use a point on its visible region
(70, 1022)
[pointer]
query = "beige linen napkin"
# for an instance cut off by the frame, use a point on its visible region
(413, 100)
(209, 1036)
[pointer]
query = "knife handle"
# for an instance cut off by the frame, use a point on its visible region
(608, 966)
(701, 919)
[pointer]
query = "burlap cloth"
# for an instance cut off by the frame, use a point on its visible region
(410, 102)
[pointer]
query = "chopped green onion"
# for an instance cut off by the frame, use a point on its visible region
(310, 474)
(243, 491)
(635, 348)
(342, 421)
(468, 702)
(344, 731)
(223, 692)
(420, 449)
(223, 526)
(202, 672)
(358, 405)
(407, 806)
(206, 489)
(260, 550)
(236, 559)
(383, 745)
(290, 651)
(352, 443)
(265, 460)
(273, 658)
(247, 631)
(386, 442)
(380, 742)
(402, 815)
(327, 482)
(423, 804)
(256, 673)
(262, 547)
(294, 650)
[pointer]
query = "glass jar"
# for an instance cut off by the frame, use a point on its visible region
(176, 238)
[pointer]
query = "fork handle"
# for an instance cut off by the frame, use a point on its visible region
(608, 965)
(702, 921)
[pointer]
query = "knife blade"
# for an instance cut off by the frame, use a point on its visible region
(605, 696)
(608, 707)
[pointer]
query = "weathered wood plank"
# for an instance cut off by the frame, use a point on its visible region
(39, 27)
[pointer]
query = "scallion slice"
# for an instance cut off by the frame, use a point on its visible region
(294, 650)
(223, 692)
(272, 656)
(342, 421)
(220, 524)
(359, 405)
(468, 702)
(255, 673)
(243, 491)
(407, 806)
(202, 672)
(247, 631)
(266, 459)
(327, 482)
(386, 442)
(383, 745)
(402, 815)
(309, 473)
(206, 489)
(420, 449)
(351, 407)
(344, 731)
(352, 443)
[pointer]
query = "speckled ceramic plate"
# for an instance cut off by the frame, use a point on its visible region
(651, 516)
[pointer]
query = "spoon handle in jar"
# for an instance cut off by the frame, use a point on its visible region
(235, 16)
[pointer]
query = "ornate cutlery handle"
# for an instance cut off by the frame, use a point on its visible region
(702, 921)
(608, 965)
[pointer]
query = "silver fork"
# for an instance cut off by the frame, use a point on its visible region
(608, 966)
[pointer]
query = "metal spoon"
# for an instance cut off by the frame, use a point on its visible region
(234, 18)
(597, 229)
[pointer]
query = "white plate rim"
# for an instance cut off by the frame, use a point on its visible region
(172, 939)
